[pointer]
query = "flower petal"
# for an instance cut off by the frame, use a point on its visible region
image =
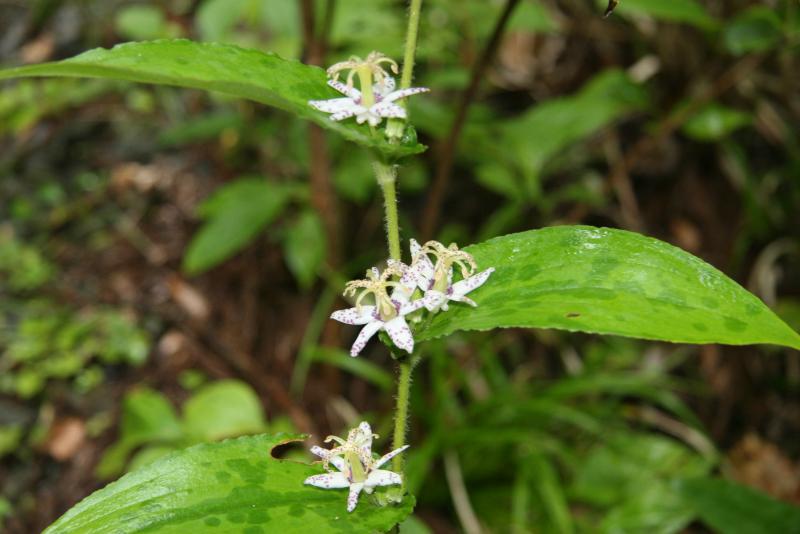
(334, 105)
(415, 248)
(355, 109)
(352, 498)
(354, 315)
(386, 457)
(328, 481)
(423, 272)
(337, 461)
(400, 333)
(403, 93)
(386, 86)
(434, 300)
(381, 477)
(388, 109)
(365, 441)
(366, 333)
(345, 89)
(468, 284)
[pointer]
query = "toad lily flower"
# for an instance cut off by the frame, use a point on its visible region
(436, 280)
(376, 96)
(372, 107)
(388, 313)
(357, 469)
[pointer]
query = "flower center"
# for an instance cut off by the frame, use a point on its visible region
(357, 471)
(446, 259)
(376, 284)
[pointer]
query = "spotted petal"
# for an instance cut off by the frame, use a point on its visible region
(381, 477)
(388, 109)
(337, 461)
(349, 90)
(400, 333)
(328, 481)
(352, 498)
(365, 335)
(366, 439)
(334, 105)
(361, 315)
(403, 93)
(351, 110)
(388, 456)
(463, 287)
(434, 300)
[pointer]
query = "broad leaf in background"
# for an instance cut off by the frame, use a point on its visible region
(245, 73)
(543, 132)
(223, 409)
(630, 475)
(714, 122)
(234, 215)
(233, 486)
(729, 508)
(688, 11)
(757, 29)
(147, 416)
(606, 281)
(305, 247)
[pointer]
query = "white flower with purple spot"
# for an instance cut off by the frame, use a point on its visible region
(387, 313)
(436, 279)
(372, 107)
(356, 467)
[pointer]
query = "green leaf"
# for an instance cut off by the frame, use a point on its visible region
(540, 134)
(235, 486)
(147, 416)
(245, 73)
(607, 281)
(234, 215)
(715, 122)
(688, 11)
(305, 247)
(223, 409)
(729, 508)
(754, 30)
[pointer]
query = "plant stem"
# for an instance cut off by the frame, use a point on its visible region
(387, 176)
(395, 127)
(401, 412)
(411, 43)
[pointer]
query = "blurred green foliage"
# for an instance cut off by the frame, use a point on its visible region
(579, 445)
(151, 428)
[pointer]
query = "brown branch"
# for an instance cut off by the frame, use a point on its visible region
(444, 168)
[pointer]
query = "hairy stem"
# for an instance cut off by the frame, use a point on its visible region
(401, 412)
(411, 43)
(395, 127)
(387, 176)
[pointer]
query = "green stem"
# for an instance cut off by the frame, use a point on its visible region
(395, 127)
(401, 413)
(411, 43)
(387, 176)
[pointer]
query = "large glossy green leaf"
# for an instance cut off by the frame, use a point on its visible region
(236, 486)
(229, 69)
(729, 508)
(607, 281)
